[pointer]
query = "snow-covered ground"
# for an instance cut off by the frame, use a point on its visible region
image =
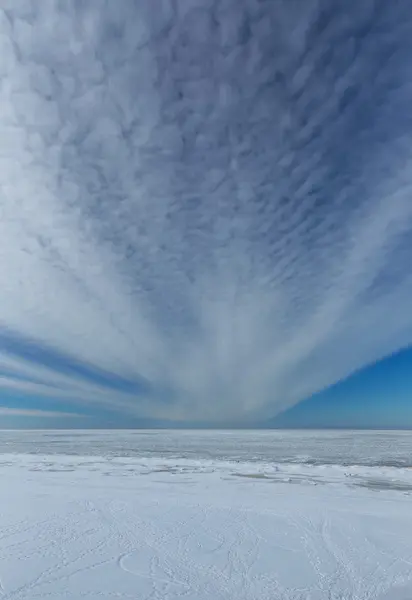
(147, 526)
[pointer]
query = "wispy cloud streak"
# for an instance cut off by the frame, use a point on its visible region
(42, 414)
(205, 206)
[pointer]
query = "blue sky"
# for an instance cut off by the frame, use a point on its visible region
(206, 213)
(378, 396)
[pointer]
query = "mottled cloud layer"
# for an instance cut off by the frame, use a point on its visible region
(205, 207)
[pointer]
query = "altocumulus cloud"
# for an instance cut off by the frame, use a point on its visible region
(206, 207)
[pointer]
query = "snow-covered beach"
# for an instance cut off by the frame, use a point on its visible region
(121, 521)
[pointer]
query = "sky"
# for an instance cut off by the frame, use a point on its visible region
(376, 397)
(205, 213)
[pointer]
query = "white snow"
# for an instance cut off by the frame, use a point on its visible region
(158, 528)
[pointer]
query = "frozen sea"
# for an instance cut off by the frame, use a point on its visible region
(242, 515)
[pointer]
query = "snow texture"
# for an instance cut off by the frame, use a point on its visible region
(162, 528)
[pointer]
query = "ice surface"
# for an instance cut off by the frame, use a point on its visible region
(126, 521)
(373, 448)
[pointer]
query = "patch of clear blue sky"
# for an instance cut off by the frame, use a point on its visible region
(378, 396)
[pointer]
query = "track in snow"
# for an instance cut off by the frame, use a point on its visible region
(107, 529)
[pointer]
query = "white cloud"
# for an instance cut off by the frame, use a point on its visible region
(216, 203)
(23, 412)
